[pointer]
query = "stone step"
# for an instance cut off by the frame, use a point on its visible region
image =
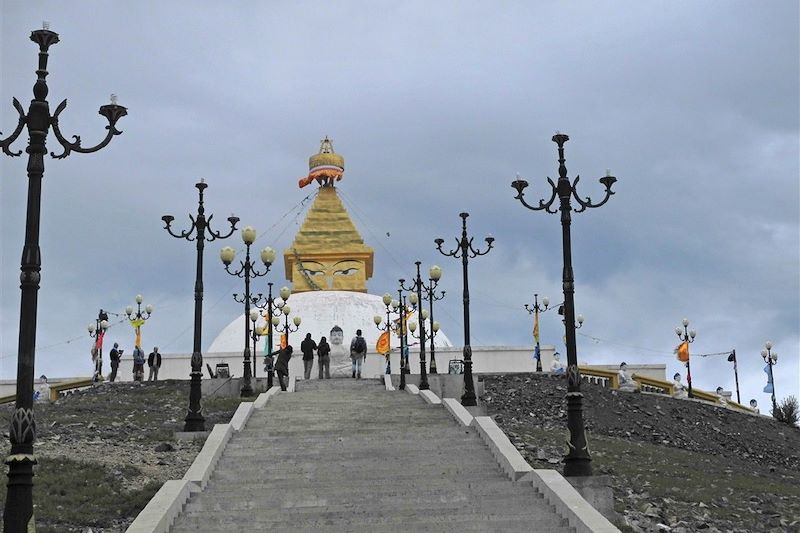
(417, 485)
(464, 473)
(439, 524)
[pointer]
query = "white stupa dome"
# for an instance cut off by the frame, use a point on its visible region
(320, 311)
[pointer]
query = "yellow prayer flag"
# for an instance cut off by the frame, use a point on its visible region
(383, 346)
(682, 351)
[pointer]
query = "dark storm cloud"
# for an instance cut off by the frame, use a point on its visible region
(693, 106)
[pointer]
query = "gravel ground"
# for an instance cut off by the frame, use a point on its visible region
(674, 465)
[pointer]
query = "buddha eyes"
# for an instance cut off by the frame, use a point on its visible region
(312, 272)
(345, 271)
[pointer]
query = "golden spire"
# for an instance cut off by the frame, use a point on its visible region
(328, 253)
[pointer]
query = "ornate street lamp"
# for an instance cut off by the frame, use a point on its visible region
(416, 299)
(271, 309)
(18, 514)
(466, 251)
(200, 231)
(434, 275)
(401, 333)
(535, 310)
(137, 319)
(391, 306)
(256, 333)
(97, 331)
(577, 462)
(286, 328)
(247, 270)
(687, 335)
(771, 358)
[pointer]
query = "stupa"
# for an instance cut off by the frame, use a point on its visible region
(328, 265)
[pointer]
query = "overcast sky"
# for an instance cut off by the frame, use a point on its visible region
(693, 106)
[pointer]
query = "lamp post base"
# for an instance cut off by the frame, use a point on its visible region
(194, 420)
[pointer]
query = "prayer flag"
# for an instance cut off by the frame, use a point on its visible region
(682, 351)
(769, 387)
(99, 343)
(383, 346)
(536, 353)
(284, 340)
(536, 327)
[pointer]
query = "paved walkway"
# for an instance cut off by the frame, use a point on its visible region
(346, 455)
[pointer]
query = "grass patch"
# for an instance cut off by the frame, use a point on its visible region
(69, 492)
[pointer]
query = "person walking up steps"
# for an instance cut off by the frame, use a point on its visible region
(358, 350)
(308, 347)
(324, 353)
(282, 365)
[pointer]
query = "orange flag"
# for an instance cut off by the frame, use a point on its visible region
(284, 340)
(383, 346)
(682, 351)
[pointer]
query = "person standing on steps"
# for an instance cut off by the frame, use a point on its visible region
(115, 354)
(308, 347)
(282, 365)
(138, 364)
(324, 353)
(154, 362)
(358, 350)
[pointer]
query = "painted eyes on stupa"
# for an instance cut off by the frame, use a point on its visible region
(312, 272)
(345, 271)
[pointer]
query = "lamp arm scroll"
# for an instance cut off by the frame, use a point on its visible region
(6, 143)
(112, 113)
(587, 203)
(214, 235)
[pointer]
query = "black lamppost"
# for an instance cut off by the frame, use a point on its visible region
(577, 462)
(416, 289)
(194, 420)
(391, 306)
(535, 310)
(97, 331)
(465, 251)
(771, 358)
(18, 514)
(247, 270)
(435, 274)
(687, 335)
(401, 332)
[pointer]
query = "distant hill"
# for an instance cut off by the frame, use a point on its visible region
(686, 465)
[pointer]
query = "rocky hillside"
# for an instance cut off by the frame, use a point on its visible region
(674, 465)
(103, 452)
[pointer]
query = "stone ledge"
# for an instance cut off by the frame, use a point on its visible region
(161, 510)
(387, 382)
(430, 397)
(241, 416)
(458, 411)
(264, 397)
(202, 467)
(509, 458)
(568, 502)
(412, 389)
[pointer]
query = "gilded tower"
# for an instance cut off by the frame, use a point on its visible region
(327, 253)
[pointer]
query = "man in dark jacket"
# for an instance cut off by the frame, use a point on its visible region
(324, 353)
(154, 362)
(308, 347)
(282, 365)
(115, 354)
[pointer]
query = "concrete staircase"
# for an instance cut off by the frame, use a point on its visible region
(346, 455)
